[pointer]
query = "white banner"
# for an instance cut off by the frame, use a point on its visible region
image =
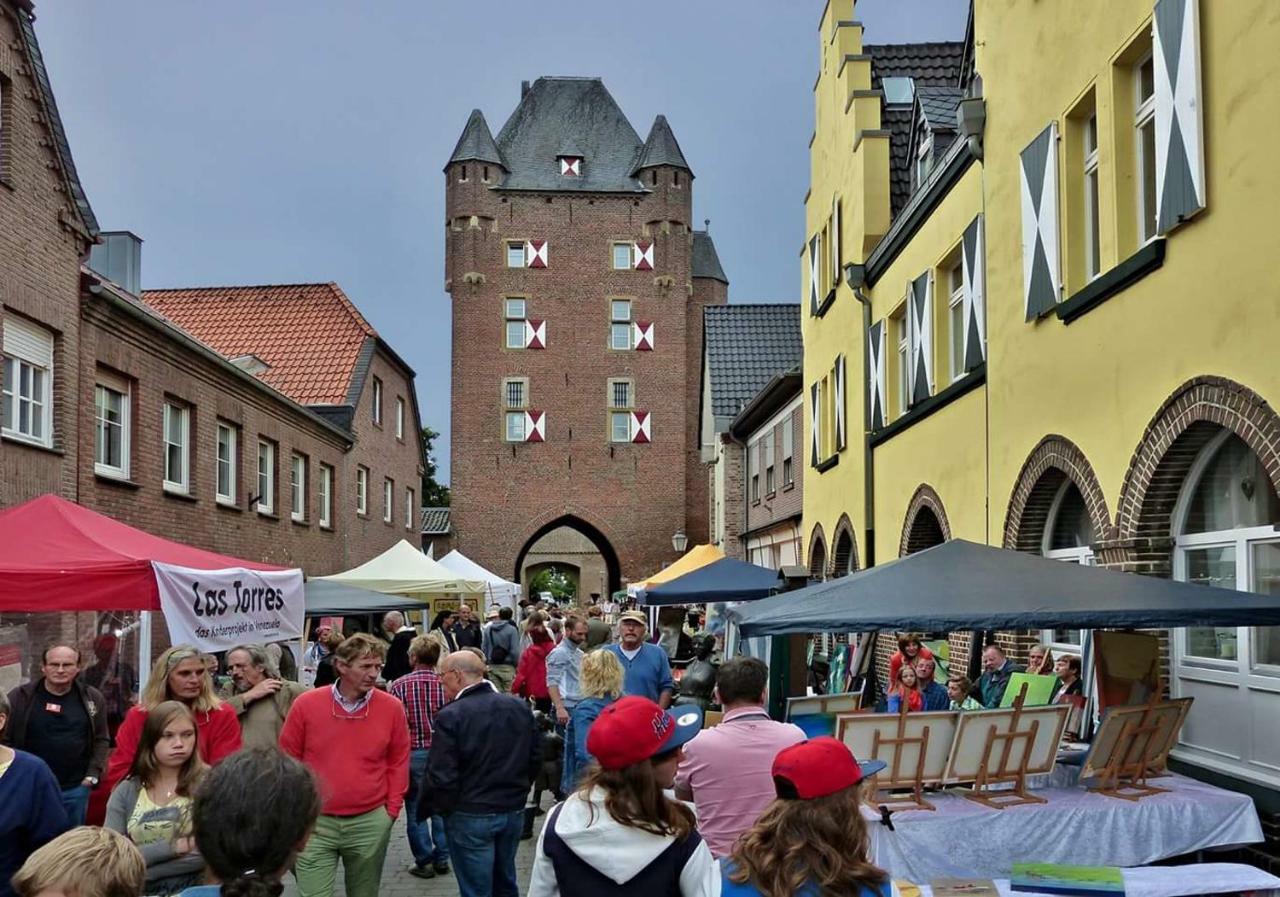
(219, 609)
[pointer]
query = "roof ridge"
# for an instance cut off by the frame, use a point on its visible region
(241, 286)
(331, 286)
(921, 43)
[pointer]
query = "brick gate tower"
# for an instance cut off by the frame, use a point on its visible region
(578, 284)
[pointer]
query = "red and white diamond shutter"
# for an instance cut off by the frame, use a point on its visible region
(642, 255)
(837, 379)
(642, 336)
(571, 166)
(1180, 188)
(535, 426)
(535, 334)
(535, 254)
(640, 427)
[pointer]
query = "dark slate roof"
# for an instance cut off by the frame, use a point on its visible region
(938, 106)
(476, 143)
(50, 107)
(556, 112)
(706, 262)
(661, 148)
(929, 65)
(746, 346)
(435, 521)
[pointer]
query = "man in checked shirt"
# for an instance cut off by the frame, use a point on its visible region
(423, 695)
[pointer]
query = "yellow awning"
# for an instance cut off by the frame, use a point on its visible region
(698, 556)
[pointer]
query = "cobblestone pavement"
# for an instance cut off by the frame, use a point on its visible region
(397, 882)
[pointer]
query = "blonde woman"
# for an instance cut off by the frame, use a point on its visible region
(178, 675)
(600, 683)
(152, 804)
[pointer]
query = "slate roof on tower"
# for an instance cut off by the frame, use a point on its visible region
(661, 148)
(476, 143)
(928, 65)
(745, 347)
(580, 112)
(706, 261)
(316, 345)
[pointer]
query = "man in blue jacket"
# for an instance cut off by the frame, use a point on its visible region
(485, 754)
(646, 667)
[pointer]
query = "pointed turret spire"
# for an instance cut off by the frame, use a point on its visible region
(661, 148)
(476, 143)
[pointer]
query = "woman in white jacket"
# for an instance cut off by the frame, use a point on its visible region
(619, 835)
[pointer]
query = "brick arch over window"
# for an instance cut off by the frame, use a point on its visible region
(844, 557)
(817, 553)
(1050, 463)
(1196, 412)
(926, 522)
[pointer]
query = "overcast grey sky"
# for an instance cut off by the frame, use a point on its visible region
(303, 140)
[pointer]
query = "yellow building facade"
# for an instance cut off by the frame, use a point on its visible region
(1042, 312)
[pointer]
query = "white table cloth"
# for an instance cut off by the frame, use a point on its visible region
(964, 839)
(1174, 881)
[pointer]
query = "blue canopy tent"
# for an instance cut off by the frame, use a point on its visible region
(962, 585)
(724, 580)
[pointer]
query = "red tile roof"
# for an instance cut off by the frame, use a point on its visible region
(308, 333)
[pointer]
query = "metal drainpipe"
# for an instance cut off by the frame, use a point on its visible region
(868, 459)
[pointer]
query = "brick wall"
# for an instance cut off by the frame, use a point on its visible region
(159, 368)
(39, 268)
(386, 456)
(636, 496)
(733, 456)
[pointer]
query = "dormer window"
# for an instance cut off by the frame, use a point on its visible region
(570, 166)
(924, 160)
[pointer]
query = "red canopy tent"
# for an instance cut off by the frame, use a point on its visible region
(56, 555)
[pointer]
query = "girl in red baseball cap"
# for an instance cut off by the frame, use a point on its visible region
(619, 834)
(812, 840)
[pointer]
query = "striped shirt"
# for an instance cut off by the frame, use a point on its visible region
(422, 694)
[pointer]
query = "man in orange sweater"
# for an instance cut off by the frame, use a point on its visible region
(356, 740)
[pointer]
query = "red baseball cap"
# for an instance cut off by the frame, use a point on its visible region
(819, 767)
(634, 729)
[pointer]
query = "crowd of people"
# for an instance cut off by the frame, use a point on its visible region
(212, 792)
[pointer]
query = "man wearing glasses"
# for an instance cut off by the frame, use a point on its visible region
(356, 740)
(63, 721)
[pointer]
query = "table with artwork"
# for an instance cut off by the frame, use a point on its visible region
(962, 838)
(1169, 881)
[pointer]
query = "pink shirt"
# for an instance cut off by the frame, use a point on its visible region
(729, 770)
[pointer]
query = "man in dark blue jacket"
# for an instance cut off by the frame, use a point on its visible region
(485, 754)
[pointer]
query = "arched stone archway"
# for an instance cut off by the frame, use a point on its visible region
(844, 556)
(587, 529)
(1052, 462)
(817, 553)
(926, 522)
(1193, 415)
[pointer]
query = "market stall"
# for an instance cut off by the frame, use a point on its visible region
(57, 556)
(723, 580)
(698, 556)
(329, 599)
(404, 570)
(497, 590)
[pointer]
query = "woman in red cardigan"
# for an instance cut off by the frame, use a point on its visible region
(531, 674)
(178, 675)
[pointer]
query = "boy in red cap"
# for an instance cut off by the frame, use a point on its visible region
(619, 834)
(812, 840)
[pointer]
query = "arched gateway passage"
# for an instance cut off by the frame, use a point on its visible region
(552, 538)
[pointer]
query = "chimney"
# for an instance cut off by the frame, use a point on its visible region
(524, 88)
(118, 258)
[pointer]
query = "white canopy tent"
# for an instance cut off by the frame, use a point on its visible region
(499, 591)
(405, 570)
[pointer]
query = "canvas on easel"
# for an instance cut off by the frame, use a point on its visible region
(1132, 745)
(1003, 747)
(1127, 665)
(914, 747)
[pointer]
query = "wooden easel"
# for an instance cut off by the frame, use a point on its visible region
(1127, 779)
(1004, 773)
(914, 801)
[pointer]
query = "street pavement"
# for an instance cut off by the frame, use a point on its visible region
(397, 882)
